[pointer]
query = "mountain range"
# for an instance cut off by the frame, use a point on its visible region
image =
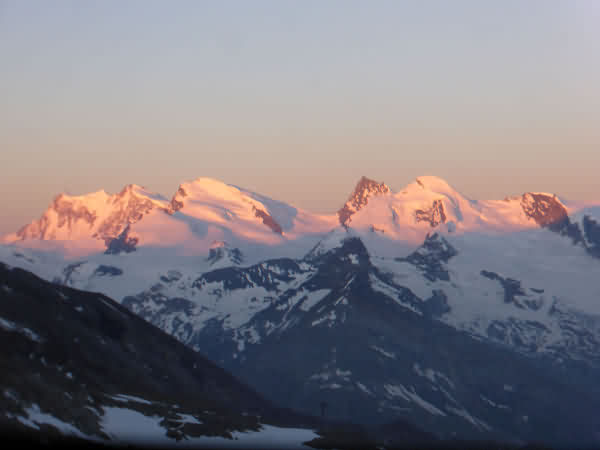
(471, 319)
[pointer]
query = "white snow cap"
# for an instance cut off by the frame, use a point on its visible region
(433, 183)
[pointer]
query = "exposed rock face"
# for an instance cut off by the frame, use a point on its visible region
(221, 251)
(67, 214)
(365, 189)
(103, 270)
(268, 220)
(549, 213)
(122, 243)
(97, 215)
(514, 293)
(69, 271)
(177, 200)
(129, 209)
(431, 257)
(434, 215)
(546, 210)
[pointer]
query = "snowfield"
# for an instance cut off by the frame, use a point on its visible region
(128, 426)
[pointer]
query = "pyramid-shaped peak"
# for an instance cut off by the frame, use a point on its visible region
(368, 185)
(365, 188)
(132, 189)
(136, 193)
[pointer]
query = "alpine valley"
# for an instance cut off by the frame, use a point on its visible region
(469, 319)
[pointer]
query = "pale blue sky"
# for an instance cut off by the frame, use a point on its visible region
(297, 99)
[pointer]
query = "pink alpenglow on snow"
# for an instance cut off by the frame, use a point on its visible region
(205, 210)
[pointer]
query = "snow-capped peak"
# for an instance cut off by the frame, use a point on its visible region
(205, 210)
(433, 183)
(97, 215)
(210, 199)
(365, 189)
(430, 203)
(428, 186)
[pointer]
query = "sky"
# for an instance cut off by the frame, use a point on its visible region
(297, 99)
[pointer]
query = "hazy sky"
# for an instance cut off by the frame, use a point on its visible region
(297, 99)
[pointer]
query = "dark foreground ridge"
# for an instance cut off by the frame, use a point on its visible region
(71, 354)
(355, 440)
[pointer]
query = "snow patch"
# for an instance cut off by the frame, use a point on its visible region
(124, 424)
(411, 396)
(363, 388)
(7, 325)
(329, 318)
(432, 375)
(35, 418)
(130, 398)
(390, 355)
(129, 426)
(313, 298)
(343, 373)
(353, 258)
(468, 417)
(491, 403)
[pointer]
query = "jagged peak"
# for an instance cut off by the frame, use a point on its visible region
(140, 193)
(431, 256)
(364, 189)
(221, 252)
(545, 209)
(542, 194)
(95, 199)
(353, 244)
(63, 196)
(332, 240)
(132, 189)
(98, 214)
(369, 186)
(345, 246)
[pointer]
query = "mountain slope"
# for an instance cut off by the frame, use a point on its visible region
(346, 308)
(97, 215)
(79, 363)
(200, 213)
(335, 328)
(205, 211)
